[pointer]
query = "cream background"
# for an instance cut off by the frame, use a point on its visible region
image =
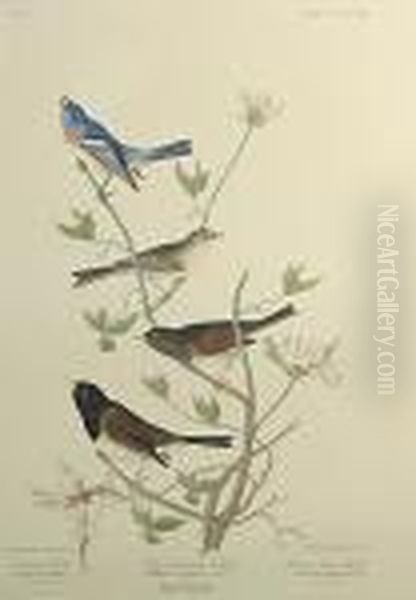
(308, 187)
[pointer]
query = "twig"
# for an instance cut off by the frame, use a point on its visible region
(280, 531)
(258, 511)
(281, 435)
(166, 295)
(278, 403)
(85, 537)
(160, 299)
(135, 486)
(258, 484)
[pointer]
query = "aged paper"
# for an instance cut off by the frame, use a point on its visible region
(207, 213)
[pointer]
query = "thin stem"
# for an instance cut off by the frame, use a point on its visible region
(273, 441)
(227, 171)
(278, 403)
(257, 511)
(139, 271)
(166, 295)
(258, 484)
(241, 349)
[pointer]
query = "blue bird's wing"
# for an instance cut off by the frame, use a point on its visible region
(105, 155)
(107, 150)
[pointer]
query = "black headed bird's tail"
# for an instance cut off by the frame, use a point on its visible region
(214, 441)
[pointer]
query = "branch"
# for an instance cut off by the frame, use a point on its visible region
(217, 524)
(137, 487)
(103, 197)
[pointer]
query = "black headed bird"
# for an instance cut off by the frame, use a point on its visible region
(209, 338)
(104, 417)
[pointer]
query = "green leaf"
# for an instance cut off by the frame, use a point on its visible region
(159, 385)
(140, 517)
(121, 326)
(208, 410)
(144, 520)
(101, 322)
(294, 282)
(84, 228)
(96, 320)
(194, 487)
(70, 231)
(193, 183)
(107, 344)
(260, 109)
(149, 531)
(186, 480)
(167, 523)
(192, 497)
(190, 484)
(201, 178)
(151, 537)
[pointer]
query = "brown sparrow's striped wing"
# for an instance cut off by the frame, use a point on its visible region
(212, 339)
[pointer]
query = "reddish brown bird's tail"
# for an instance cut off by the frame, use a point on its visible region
(279, 315)
(215, 441)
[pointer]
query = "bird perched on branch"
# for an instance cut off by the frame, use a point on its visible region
(211, 337)
(166, 257)
(104, 417)
(116, 157)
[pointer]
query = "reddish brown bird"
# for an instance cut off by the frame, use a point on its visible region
(211, 337)
(104, 417)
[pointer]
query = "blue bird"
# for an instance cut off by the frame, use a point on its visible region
(116, 157)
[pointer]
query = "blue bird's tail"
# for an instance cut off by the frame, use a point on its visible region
(169, 150)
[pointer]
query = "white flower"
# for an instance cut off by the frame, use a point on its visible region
(259, 109)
